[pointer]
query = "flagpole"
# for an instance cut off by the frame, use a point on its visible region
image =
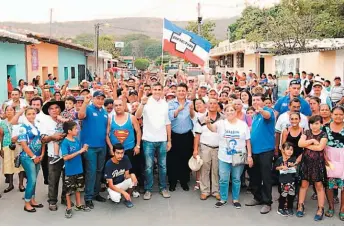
(162, 45)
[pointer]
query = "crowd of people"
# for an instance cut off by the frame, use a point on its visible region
(115, 134)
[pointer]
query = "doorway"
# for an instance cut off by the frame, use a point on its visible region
(261, 66)
(65, 73)
(81, 73)
(56, 73)
(45, 74)
(12, 71)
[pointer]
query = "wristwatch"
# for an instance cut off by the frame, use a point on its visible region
(138, 146)
(33, 157)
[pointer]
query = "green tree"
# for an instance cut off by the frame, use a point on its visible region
(207, 30)
(141, 63)
(86, 40)
(153, 50)
(127, 50)
(167, 58)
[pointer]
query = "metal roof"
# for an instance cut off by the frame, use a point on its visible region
(11, 37)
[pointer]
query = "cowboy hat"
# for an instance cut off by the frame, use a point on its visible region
(47, 105)
(195, 163)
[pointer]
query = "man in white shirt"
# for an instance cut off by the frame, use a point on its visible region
(206, 145)
(16, 101)
(156, 138)
(284, 122)
(48, 128)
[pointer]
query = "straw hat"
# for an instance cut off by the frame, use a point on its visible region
(195, 163)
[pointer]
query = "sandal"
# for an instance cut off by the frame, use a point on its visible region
(329, 213)
(341, 216)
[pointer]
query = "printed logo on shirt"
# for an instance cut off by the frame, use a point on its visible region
(121, 135)
(232, 137)
(117, 173)
(95, 114)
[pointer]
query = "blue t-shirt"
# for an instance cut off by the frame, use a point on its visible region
(72, 166)
(116, 171)
(94, 126)
(282, 105)
(263, 133)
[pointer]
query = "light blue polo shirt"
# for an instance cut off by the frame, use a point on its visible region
(263, 133)
(282, 105)
(93, 131)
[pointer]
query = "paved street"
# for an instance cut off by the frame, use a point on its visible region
(183, 208)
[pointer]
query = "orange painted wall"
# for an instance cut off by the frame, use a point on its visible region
(47, 57)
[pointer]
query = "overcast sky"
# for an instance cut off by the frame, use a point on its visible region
(36, 11)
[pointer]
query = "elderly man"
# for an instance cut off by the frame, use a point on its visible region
(337, 92)
(49, 130)
(206, 145)
(181, 112)
(93, 133)
(156, 137)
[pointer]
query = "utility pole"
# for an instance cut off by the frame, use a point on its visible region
(96, 47)
(51, 21)
(199, 18)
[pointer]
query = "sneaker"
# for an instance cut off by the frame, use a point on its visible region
(290, 212)
(147, 195)
(282, 212)
(128, 203)
(53, 207)
(68, 213)
(220, 204)
(89, 204)
(237, 205)
(165, 194)
(136, 194)
(56, 158)
(252, 203)
(82, 208)
(265, 209)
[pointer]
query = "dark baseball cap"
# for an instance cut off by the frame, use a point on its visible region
(98, 93)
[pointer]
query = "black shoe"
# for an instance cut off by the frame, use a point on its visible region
(22, 189)
(99, 198)
(46, 182)
(30, 211)
(172, 188)
(10, 188)
(89, 204)
(237, 205)
(185, 187)
(220, 204)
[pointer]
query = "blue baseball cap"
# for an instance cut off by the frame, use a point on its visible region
(98, 93)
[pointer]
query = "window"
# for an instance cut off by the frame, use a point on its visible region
(65, 72)
(222, 61)
(73, 72)
(240, 60)
(230, 61)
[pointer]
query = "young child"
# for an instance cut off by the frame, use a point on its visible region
(69, 114)
(287, 178)
(71, 153)
(268, 102)
(312, 167)
(250, 111)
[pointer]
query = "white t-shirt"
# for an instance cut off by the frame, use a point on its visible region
(232, 138)
(48, 127)
(283, 122)
(155, 119)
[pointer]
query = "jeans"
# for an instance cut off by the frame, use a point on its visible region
(149, 149)
(94, 163)
(31, 170)
(225, 170)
